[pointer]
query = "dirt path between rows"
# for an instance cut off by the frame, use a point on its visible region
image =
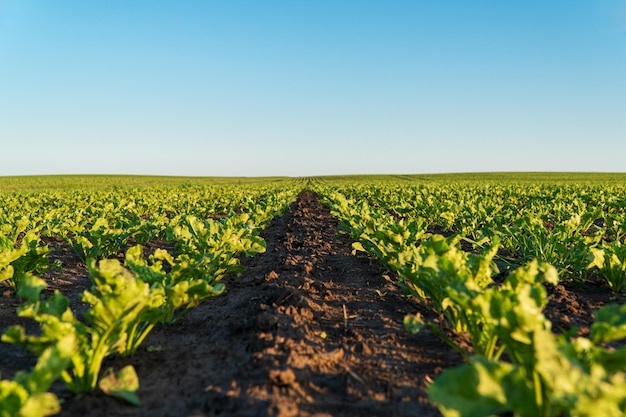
(308, 330)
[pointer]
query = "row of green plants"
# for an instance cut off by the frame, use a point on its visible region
(580, 228)
(100, 224)
(126, 299)
(515, 364)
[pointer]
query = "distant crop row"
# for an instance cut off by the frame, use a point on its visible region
(571, 226)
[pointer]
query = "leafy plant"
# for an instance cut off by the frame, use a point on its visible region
(117, 304)
(452, 280)
(565, 245)
(611, 262)
(548, 376)
(123, 308)
(20, 259)
(26, 395)
(97, 241)
(184, 284)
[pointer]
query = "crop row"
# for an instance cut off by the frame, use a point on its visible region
(209, 227)
(570, 226)
(516, 363)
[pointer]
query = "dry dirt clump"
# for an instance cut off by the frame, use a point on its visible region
(308, 330)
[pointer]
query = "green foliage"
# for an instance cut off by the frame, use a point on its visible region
(98, 241)
(117, 303)
(217, 242)
(125, 302)
(566, 245)
(548, 381)
(445, 237)
(123, 307)
(516, 365)
(20, 259)
(123, 384)
(185, 284)
(611, 262)
(548, 375)
(550, 218)
(26, 395)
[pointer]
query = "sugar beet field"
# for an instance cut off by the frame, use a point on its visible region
(454, 295)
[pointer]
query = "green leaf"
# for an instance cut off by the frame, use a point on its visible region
(610, 324)
(12, 397)
(482, 388)
(40, 405)
(123, 384)
(596, 258)
(51, 363)
(257, 245)
(30, 287)
(6, 273)
(14, 334)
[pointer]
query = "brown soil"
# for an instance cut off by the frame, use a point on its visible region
(308, 330)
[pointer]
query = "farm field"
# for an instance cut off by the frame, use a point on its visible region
(325, 296)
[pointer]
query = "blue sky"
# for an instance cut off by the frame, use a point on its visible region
(313, 87)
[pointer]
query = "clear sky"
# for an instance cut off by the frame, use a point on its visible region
(311, 87)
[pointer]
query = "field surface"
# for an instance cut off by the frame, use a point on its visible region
(311, 327)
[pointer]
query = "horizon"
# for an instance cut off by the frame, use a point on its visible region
(374, 174)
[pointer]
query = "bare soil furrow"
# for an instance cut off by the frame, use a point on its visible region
(307, 330)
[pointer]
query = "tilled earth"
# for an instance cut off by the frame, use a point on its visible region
(308, 330)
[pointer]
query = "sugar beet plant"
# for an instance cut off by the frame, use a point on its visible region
(547, 375)
(566, 245)
(26, 394)
(183, 281)
(117, 302)
(611, 263)
(21, 256)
